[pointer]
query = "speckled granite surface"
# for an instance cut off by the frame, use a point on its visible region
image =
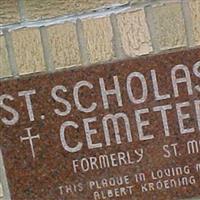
(75, 151)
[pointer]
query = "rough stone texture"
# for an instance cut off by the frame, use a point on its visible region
(169, 29)
(63, 45)
(8, 12)
(98, 35)
(28, 50)
(38, 9)
(4, 63)
(195, 14)
(134, 33)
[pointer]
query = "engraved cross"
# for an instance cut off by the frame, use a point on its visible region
(30, 138)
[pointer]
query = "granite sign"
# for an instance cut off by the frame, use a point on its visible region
(126, 130)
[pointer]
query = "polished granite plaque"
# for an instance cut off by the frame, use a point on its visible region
(123, 130)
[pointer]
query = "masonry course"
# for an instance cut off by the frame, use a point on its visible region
(136, 28)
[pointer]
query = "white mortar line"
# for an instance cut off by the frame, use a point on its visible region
(82, 43)
(105, 11)
(116, 41)
(11, 54)
(21, 9)
(149, 20)
(46, 49)
(188, 23)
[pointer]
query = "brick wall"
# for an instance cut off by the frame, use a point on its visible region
(39, 36)
(48, 35)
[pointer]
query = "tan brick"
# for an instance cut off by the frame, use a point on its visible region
(63, 45)
(28, 50)
(134, 33)
(9, 11)
(4, 64)
(98, 35)
(194, 6)
(169, 28)
(38, 9)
